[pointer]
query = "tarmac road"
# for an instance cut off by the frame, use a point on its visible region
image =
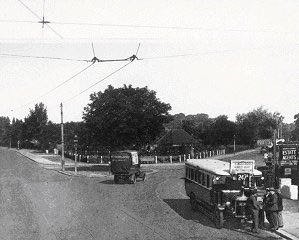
(37, 203)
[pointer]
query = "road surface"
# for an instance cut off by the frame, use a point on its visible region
(38, 203)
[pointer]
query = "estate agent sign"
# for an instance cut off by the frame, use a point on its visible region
(288, 156)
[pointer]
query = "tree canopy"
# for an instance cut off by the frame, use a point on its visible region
(35, 125)
(125, 117)
(257, 124)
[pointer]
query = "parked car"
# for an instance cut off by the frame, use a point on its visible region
(125, 165)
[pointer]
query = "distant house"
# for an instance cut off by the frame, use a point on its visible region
(177, 141)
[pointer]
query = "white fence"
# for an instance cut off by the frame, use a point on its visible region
(179, 158)
(149, 159)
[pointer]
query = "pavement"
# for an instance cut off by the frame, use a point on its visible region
(49, 161)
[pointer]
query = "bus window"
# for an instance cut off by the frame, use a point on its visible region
(192, 174)
(199, 177)
(188, 173)
(204, 180)
(208, 181)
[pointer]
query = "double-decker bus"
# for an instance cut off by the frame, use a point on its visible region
(213, 186)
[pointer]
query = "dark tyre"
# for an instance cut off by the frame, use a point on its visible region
(143, 177)
(193, 202)
(116, 179)
(133, 179)
(219, 218)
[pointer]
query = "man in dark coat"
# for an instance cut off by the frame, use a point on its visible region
(280, 208)
(265, 205)
(254, 208)
(272, 207)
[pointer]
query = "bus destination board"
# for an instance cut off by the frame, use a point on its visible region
(241, 166)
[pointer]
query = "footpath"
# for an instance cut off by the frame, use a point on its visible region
(50, 161)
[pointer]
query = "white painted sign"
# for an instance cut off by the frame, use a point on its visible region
(242, 166)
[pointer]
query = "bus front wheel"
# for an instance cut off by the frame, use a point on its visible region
(116, 179)
(132, 179)
(219, 218)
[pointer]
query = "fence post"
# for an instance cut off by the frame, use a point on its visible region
(224, 151)
(156, 159)
(196, 156)
(189, 156)
(200, 155)
(170, 158)
(184, 157)
(180, 158)
(101, 159)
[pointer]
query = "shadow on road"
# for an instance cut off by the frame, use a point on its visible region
(94, 168)
(111, 182)
(183, 208)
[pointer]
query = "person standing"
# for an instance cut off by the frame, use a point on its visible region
(266, 199)
(273, 209)
(280, 208)
(254, 208)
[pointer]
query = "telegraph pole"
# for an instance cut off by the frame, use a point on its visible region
(62, 139)
(76, 151)
(234, 144)
(274, 163)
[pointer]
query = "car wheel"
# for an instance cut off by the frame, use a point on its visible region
(132, 179)
(116, 179)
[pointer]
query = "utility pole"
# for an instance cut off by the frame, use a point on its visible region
(234, 144)
(62, 139)
(76, 151)
(274, 163)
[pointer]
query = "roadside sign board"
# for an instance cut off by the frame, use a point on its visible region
(242, 166)
(287, 171)
(264, 142)
(288, 156)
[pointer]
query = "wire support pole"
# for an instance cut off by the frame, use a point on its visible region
(62, 139)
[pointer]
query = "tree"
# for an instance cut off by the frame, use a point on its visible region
(35, 126)
(257, 124)
(295, 132)
(4, 131)
(16, 132)
(125, 117)
(222, 131)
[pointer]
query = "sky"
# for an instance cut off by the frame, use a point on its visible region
(220, 57)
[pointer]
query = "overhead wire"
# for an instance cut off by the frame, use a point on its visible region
(101, 80)
(168, 27)
(59, 85)
(42, 20)
(211, 29)
(208, 52)
(42, 57)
